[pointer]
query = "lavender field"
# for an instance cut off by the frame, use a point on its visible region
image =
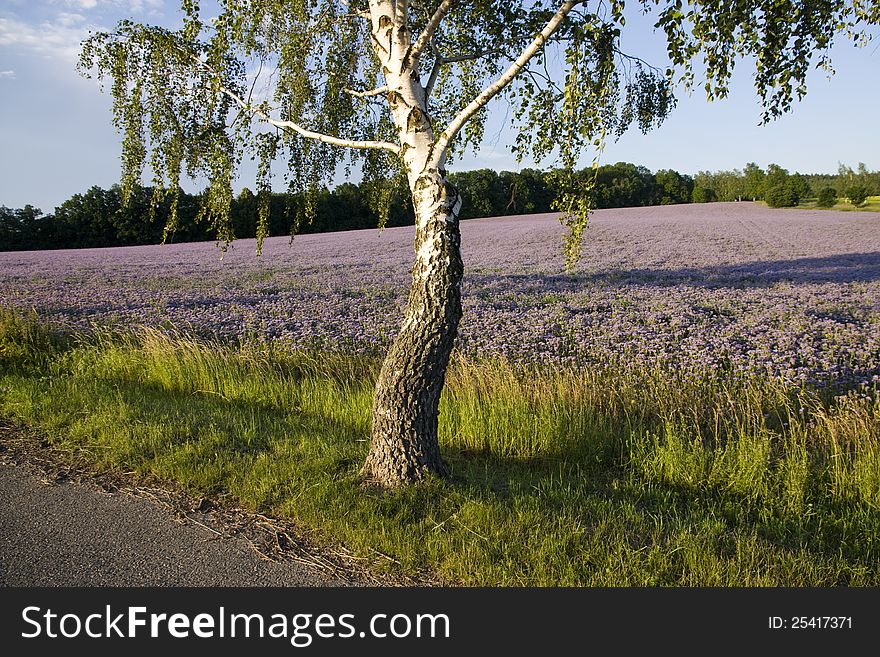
(703, 289)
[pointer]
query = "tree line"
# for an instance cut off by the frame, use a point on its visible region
(780, 188)
(99, 218)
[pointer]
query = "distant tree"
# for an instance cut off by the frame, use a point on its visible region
(846, 178)
(800, 188)
(819, 181)
(730, 185)
(754, 181)
(703, 195)
(862, 176)
(140, 221)
(707, 182)
(622, 185)
(674, 187)
(780, 195)
(776, 174)
(526, 191)
(190, 222)
(340, 209)
(857, 194)
(781, 189)
(482, 193)
(244, 213)
(25, 228)
(389, 202)
(10, 231)
(827, 197)
(88, 219)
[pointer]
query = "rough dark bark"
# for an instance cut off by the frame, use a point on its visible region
(404, 447)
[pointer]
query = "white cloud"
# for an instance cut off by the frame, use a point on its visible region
(140, 5)
(67, 20)
(77, 4)
(60, 36)
(59, 40)
(134, 6)
(7, 75)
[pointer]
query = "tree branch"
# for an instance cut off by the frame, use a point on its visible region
(401, 13)
(372, 92)
(493, 89)
(412, 56)
(435, 70)
(440, 61)
(466, 58)
(310, 134)
(290, 125)
(362, 13)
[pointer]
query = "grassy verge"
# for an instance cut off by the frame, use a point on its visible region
(560, 478)
(872, 204)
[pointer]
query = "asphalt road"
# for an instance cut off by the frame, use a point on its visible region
(74, 534)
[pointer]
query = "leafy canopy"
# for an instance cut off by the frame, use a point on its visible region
(302, 81)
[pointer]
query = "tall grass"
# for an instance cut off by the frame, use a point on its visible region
(560, 477)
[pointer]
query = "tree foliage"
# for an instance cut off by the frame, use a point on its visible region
(754, 183)
(827, 198)
(754, 180)
(857, 194)
(782, 189)
(786, 38)
(703, 194)
(674, 187)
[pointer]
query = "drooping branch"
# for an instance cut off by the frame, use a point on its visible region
(498, 85)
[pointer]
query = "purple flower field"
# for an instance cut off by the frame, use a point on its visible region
(699, 288)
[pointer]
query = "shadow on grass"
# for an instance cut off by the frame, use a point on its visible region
(824, 527)
(843, 268)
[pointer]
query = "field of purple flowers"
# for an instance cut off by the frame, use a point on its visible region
(701, 289)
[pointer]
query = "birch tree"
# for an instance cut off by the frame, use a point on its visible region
(403, 87)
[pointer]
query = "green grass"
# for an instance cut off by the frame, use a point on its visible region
(871, 205)
(579, 478)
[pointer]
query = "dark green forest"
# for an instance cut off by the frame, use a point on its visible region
(99, 218)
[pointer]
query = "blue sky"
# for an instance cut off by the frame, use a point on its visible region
(56, 138)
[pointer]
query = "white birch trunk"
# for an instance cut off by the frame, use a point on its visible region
(404, 446)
